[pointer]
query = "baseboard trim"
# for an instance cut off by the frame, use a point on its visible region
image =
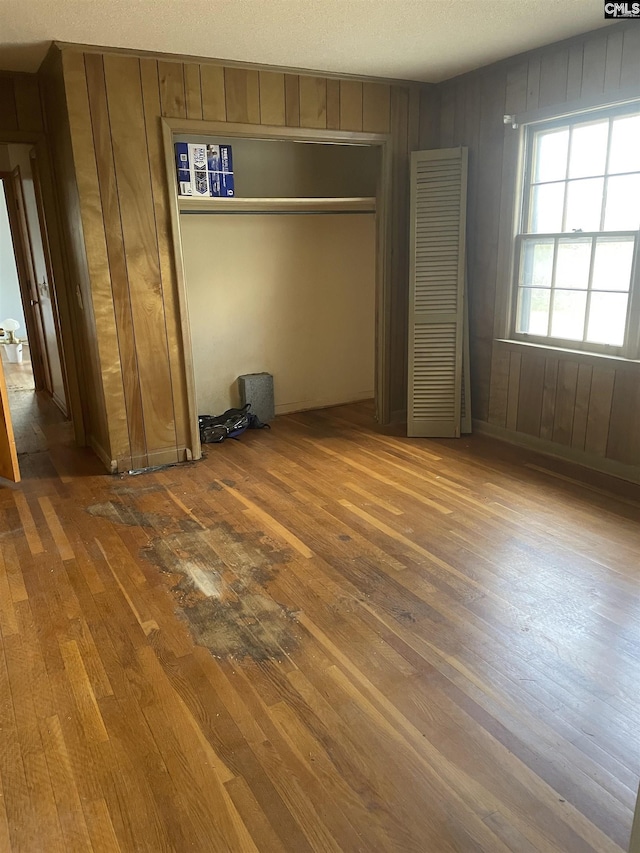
(630, 473)
(310, 405)
(153, 459)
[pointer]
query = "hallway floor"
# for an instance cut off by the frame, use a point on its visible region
(319, 638)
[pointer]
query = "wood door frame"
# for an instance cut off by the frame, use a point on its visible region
(63, 405)
(170, 127)
(25, 268)
(60, 285)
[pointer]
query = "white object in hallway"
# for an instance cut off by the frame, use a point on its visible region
(12, 347)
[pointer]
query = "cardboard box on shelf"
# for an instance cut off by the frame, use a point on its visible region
(204, 170)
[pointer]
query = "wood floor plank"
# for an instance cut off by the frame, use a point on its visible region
(322, 637)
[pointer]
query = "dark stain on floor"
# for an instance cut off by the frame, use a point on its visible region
(218, 577)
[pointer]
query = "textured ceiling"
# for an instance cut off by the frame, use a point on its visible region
(428, 40)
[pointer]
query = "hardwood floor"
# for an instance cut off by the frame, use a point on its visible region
(320, 638)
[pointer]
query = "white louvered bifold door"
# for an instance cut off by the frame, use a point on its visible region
(436, 298)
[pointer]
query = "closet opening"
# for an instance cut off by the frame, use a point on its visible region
(287, 276)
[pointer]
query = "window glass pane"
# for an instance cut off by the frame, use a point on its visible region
(572, 265)
(550, 155)
(536, 265)
(612, 264)
(622, 210)
(588, 149)
(607, 318)
(546, 208)
(533, 311)
(567, 320)
(584, 204)
(624, 154)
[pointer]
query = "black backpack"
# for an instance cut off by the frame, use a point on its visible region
(230, 424)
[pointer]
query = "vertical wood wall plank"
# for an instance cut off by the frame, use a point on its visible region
(499, 387)
(313, 102)
(593, 65)
(530, 395)
(242, 89)
(8, 112)
(565, 401)
(128, 132)
(172, 97)
(630, 63)
(429, 131)
(623, 443)
(333, 104)
(515, 100)
(533, 84)
(513, 394)
(108, 422)
(553, 78)
(123, 328)
(213, 94)
(292, 99)
(447, 115)
(350, 105)
(27, 98)
(398, 306)
(549, 394)
(581, 411)
(193, 90)
(155, 148)
(613, 61)
(376, 101)
(272, 109)
(574, 71)
(485, 196)
(599, 414)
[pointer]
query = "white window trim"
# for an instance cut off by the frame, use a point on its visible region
(512, 199)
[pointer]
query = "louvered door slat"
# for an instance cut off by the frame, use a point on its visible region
(436, 315)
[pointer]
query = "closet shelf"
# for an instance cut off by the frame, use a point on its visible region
(187, 204)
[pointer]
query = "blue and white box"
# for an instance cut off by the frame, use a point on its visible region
(220, 166)
(182, 168)
(204, 171)
(198, 168)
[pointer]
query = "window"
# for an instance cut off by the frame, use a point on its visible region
(577, 250)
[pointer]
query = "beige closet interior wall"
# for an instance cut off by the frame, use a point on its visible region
(300, 304)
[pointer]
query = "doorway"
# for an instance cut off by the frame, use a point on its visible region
(30, 350)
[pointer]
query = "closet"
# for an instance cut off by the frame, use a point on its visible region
(281, 278)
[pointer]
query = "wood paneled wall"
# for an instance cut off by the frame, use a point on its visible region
(20, 104)
(582, 407)
(117, 211)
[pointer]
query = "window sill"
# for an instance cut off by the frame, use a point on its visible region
(566, 354)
